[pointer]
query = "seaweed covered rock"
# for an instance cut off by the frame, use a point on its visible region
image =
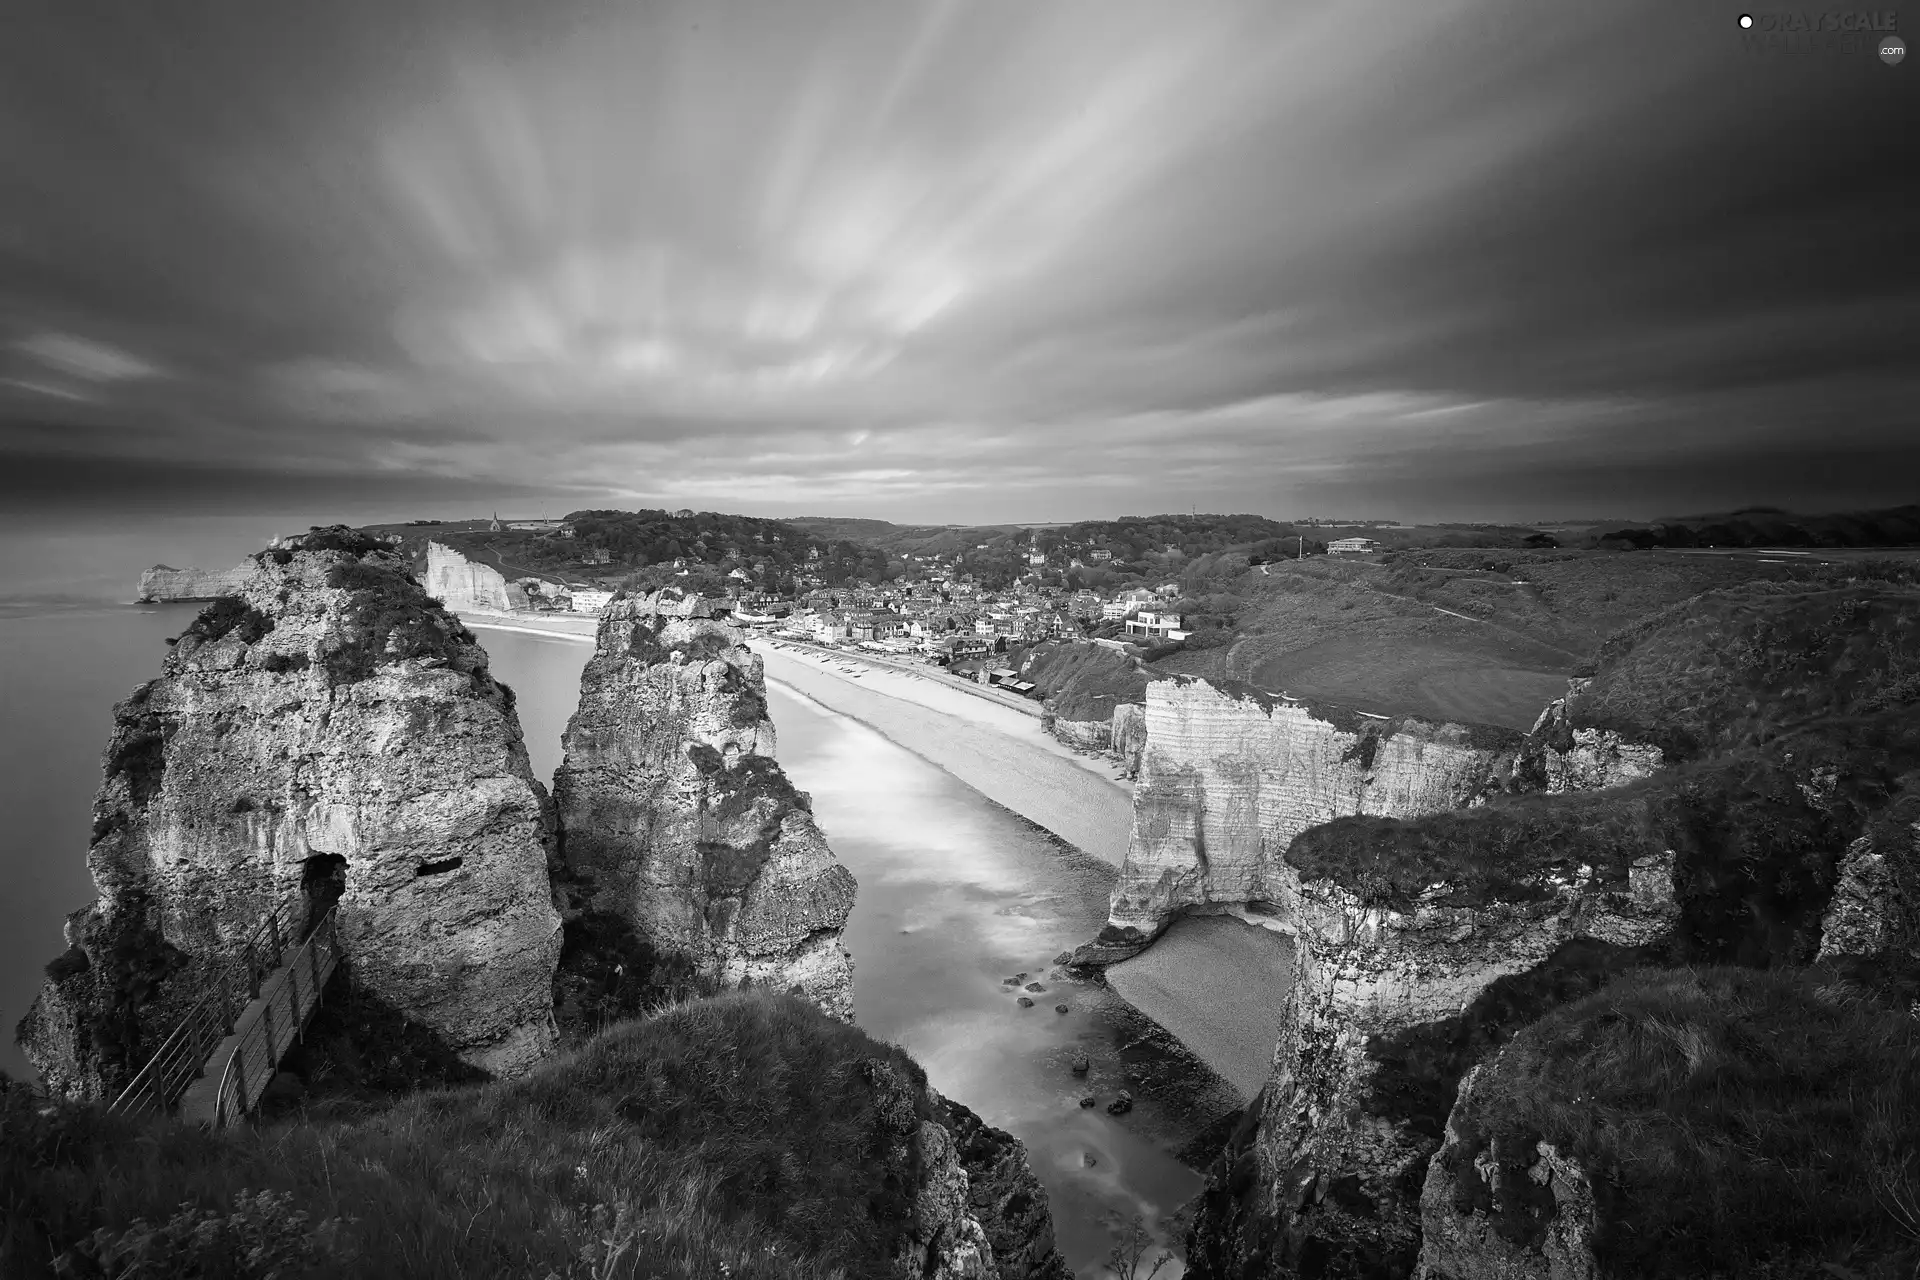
(1685, 1123)
(679, 820)
(327, 735)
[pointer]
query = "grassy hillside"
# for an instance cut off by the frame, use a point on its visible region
(1734, 1123)
(747, 1136)
(1084, 681)
(1787, 708)
(1743, 665)
(1488, 637)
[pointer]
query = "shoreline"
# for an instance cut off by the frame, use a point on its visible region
(1214, 985)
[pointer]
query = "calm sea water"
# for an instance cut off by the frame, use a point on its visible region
(955, 894)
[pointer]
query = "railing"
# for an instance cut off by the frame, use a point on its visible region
(182, 1057)
(285, 1005)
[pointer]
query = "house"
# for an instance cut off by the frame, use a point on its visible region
(960, 648)
(1101, 556)
(596, 555)
(1351, 546)
(831, 628)
(1036, 559)
(1156, 625)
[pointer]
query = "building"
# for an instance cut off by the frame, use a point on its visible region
(1351, 546)
(1101, 556)
(1156, 625)
(596, 555)
(1036, 559)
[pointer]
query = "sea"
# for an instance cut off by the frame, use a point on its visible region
(956, 894)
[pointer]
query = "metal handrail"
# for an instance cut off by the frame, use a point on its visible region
(230, 1097)
(181, 1057)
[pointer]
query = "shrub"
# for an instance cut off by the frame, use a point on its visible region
(262, 1236)
(227, 615)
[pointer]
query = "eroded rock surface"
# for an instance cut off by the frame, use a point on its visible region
(327, 734)
(1386, 1013)
(679, 820)
(462, 585)
(1229, 777)
(1004, 1196)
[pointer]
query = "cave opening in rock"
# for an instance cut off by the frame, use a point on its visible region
(323, 879)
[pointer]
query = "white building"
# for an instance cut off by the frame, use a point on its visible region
(1351, 546)
(1156, 625)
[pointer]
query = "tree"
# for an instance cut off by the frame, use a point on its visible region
(1130, 1251)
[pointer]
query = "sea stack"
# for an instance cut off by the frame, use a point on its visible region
(326, 735)
(679, 821)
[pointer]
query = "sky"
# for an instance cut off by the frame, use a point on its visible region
(950, 260)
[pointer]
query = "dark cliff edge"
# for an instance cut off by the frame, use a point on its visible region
(1627, 930)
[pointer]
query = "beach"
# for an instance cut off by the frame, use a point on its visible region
(1214, 983)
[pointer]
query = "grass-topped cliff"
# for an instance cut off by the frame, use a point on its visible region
(1727, 1123)
(1789, 709)
(747, 1135)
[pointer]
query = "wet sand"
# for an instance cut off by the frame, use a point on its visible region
(1217, 985)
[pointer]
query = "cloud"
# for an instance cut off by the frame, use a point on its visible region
(948, 259)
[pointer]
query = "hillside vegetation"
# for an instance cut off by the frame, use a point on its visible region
(1735, 1123)
(1789, 716)
(747, 1135)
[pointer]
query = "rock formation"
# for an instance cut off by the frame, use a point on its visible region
(679, 820)
(1876, 904)
(329, 734)
(463, 586)
(1328, 1167)
(1560, 756)
(162, 583)
(1123, 738)
(1229, 777)
(1004, 1196)
(1423, 944)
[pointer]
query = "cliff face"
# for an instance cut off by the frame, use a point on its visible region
(161, 583)
(1560, 756)
(462, 585)
(1423, 944)
(677, 817)
(1123, 738)
(1227, 780)
(328, 734)
(1385, 1012)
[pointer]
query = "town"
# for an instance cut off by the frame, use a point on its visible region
(963, 609)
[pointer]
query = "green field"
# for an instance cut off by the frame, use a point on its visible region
(1456, 634)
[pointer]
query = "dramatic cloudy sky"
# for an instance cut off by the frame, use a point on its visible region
(951, 259)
